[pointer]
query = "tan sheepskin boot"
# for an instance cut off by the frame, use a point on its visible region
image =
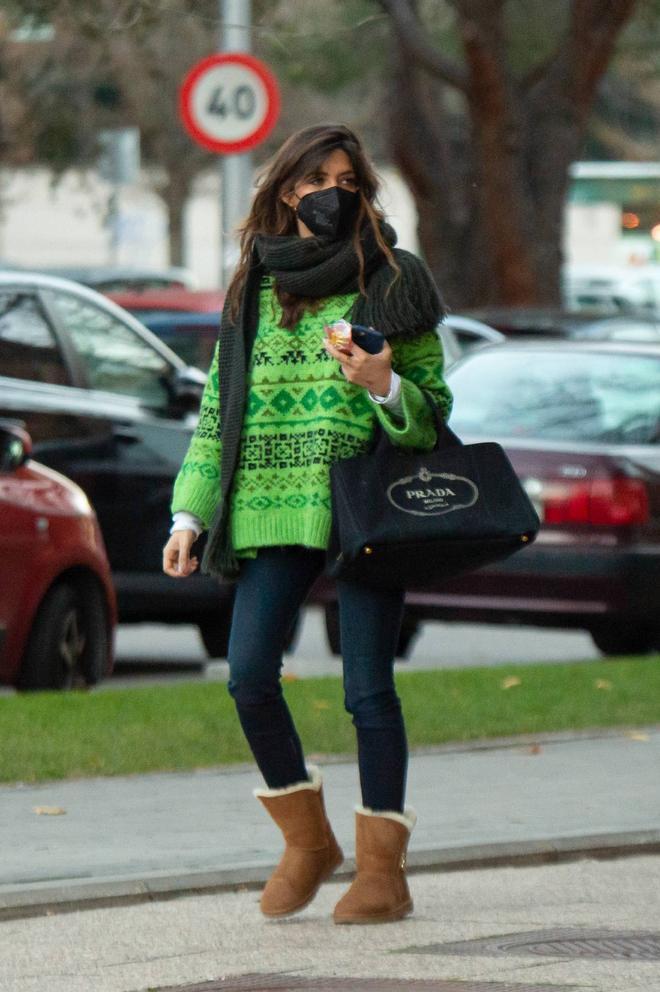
(379, 892)
(311, 853)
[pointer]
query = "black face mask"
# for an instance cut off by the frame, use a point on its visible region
(329, 213)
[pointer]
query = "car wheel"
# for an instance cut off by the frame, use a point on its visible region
(409, 631)
(613, 639)
(67, 647)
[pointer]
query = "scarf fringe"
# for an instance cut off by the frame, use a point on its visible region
(401, 307)
(219, 559)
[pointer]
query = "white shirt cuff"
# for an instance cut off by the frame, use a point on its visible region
(393, 399)
(182, 520)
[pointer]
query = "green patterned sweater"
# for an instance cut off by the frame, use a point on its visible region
(301, 416)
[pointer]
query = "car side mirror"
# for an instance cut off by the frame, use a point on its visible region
(15, 446)
(187, 386)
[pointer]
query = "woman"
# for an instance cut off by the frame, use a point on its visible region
(281, 404)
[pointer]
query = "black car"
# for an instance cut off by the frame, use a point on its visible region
(113, 408)
(193, 334)
(589, 323)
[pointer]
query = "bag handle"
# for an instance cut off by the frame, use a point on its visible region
(445, 437)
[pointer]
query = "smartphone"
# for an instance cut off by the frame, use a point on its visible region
(367, 338)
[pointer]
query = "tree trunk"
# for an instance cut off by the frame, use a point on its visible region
(499, 147)
(491, 205)
(429, 145)
(420, 146)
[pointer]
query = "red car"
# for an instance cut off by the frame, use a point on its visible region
(57, 602)
(169, 300)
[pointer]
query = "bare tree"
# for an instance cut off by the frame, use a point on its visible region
(148, 67)
(490, 179)
(111, 64)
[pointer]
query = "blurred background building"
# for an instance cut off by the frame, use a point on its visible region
(612, 218)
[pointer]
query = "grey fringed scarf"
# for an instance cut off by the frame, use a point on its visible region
(404, 307)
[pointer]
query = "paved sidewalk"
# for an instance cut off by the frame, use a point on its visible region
(136, 837)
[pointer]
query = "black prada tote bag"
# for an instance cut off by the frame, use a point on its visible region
(404, 518)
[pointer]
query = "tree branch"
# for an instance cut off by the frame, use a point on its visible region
(595, 26)
(411, 36)
(592, 31)
(481, 29)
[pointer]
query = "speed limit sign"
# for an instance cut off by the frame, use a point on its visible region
(229, 102)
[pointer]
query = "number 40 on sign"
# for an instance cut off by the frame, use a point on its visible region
(229, 102)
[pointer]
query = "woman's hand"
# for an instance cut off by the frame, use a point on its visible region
(374, 372)
(176, 554)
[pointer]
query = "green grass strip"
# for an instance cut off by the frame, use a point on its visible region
(193, 725)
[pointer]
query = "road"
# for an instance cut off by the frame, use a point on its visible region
(155, 653)
(145, 651)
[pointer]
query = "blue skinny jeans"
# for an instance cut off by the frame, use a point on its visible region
(270, 590)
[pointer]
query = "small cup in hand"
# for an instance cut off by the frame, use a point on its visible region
(340, 335)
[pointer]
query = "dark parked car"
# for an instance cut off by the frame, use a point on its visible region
(111, 407)
(187, 322)
(118, 279)
(589, 323)
(191, 335)
(580, 422)
(57, 602)
(193, 332)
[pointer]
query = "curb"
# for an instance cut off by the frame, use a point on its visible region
(49, 898)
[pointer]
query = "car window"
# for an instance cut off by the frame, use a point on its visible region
(28, 349)
(450, 345)
(570, 396)
(470, 337)
(466, 339)
(115, 357)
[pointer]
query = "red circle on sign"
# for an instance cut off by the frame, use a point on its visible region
(203, 137)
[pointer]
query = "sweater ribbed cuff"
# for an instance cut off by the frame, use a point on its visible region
(413, 426)
(201, 501)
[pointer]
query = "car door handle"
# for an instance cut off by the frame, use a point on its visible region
(127, 435)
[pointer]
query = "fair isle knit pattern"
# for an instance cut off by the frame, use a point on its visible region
(301, 416)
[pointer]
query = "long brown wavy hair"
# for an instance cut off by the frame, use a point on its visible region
(301, 155)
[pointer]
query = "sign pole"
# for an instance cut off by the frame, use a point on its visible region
(229, 103)
(235, 170)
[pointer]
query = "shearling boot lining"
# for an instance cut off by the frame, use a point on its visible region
(313, 783)
(407, 819)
